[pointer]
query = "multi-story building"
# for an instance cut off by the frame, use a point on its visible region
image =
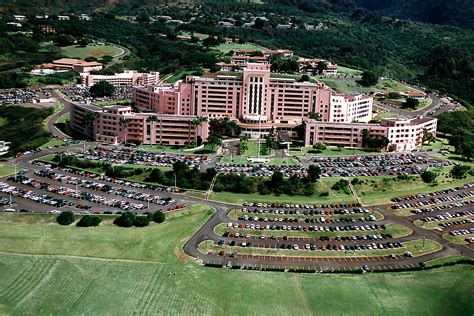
(128, 78)
(73, 64)
(403, 135)
(119, 124)
(256, 101)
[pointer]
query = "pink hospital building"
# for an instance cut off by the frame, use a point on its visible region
(258, 102)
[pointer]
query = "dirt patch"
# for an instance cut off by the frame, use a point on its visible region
(180, 255)
(98, 52)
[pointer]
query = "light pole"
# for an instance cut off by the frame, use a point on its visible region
(175, 181)
(16, 165)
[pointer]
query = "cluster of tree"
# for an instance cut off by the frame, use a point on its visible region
(369, 78)
(102, 89)
(280, 63)
(67, 218)
(459, 128)
(24, 127)
(373, 142)
(277, 184)
(342, 185)
(185, 177)
(129, 219)
(410, 103)
(72, 161)
(121, 171)
(461, 171)
(224, 127)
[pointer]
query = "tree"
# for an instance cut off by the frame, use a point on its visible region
(65, 218)
(304, 78)
(259, 23)
(89, 221)
(321, 67)
(158, 217)
(141, 221)
(126, 219)
(152, 118)
(315, 116)
(459, 171)
(314, 172)
(244, 144)
(427, 136)
(369, 78)
(124, 123)
(428, 176)
(102, 89)
(320, 146)
(410, 103)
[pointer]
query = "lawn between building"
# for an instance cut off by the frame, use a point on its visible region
(55, 269)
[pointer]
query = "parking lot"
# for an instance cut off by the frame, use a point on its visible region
(22, 96)
(80, 93)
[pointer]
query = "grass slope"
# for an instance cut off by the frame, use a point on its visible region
(48, 269)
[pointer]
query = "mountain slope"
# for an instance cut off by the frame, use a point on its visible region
(452, 12)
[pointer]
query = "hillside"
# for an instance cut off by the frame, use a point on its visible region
(453, 12)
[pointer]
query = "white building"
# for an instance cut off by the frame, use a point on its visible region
(128, 78)
(351, 108)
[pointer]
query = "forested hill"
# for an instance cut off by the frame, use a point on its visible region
(452, 12)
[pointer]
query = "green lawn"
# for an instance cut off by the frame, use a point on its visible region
(350, 71)
(97, 51)
(6, 170)
(50, 269)
(225, 48)
(3, 121)
(396, 230)
(323, 185)
(64, 118)
(445, 260)
(457, 239)
(379, 190)
(53, 143)
(351, 86)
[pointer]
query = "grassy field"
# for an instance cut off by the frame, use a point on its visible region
(350, 71)
(252, 150)
(394, 229)
(414, 246)
(179, 75)
(75, 51)
(50, 269)
(225, 48)
(377, 190)
(6, 170)
(351, 86)
(323, 185)
(461, 240)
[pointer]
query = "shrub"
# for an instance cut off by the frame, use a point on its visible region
(141, 221)
(355, 181)
(127, 219)
(65, 218)
(89, 221)
(428, 176)
(158, 217)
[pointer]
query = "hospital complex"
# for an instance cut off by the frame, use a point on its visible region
(258, 102)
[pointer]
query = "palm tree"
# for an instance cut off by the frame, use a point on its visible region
(195, 123)
(150, 119)
(88, 119)
(124, 123)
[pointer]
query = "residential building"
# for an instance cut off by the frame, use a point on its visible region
(20, 17)
(64, 17)
(128, 78)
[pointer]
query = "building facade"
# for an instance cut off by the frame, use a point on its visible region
(126, 78)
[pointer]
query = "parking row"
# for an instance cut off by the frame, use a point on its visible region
(447, 216)
(434, 196)
(81, 93)
(298, 207)
(307, 227)
(76, 194)
(368, 237)
(369, 218)
(376, 165)
(462, 232)
(457, 223)
(311, 212)
(106, 188)
(119, 155)
(443, 207)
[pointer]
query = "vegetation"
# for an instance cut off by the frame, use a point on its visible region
(102, 89)
(411, 104)
(65, 218)
(428, 176)
(129, 219)
(24, 128)
(224, 127)
(151, 262)
(158, 217)
(89, 221)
